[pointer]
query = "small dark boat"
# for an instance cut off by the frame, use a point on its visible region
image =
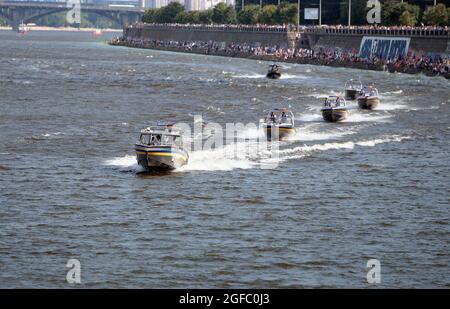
(352, 89)
(368, 99)
(334, 109)
(274, 72)
(279, 124)
(160, 148)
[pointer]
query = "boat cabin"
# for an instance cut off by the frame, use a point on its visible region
(353, 84)
(334, 101)
(280, 116)
(369, 91)
(161, 136)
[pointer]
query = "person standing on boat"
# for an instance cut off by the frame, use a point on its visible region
(273, 117)
(283, 117)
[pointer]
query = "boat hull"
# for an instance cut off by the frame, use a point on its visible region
(334, 114)
(368, 102)
(351, 94)
(273, 75)
(283, 132)
(160, 158)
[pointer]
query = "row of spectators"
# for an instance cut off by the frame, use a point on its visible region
(444, 30)
(413, 63)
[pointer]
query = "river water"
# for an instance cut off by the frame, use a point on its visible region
(373, 187)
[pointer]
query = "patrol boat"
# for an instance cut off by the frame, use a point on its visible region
(334, 109)
(160, 147)
(279, 124)
(274, 72)
(368, 99)
(23, 28)
(352, 89)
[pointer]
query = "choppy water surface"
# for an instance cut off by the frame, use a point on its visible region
(71, 106)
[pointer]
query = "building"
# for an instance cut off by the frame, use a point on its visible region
(156, 4)
(201, 5)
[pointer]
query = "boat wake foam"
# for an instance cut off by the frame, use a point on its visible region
(224, 159)
(306, 150)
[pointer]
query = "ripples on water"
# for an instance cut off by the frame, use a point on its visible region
(375, 186)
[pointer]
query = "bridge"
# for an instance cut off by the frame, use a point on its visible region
(16, 12)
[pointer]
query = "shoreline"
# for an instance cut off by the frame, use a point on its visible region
(272, 58)
(72, 29)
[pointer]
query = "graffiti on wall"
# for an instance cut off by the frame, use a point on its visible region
(384, 47)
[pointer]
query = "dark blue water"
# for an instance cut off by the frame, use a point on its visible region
(375, 186)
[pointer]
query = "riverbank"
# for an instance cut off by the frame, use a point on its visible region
(74, 29)
(275, 57)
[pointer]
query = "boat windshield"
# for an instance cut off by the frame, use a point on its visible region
(353, 85)
(334, 102)
(373, 92)
(280, 117)
(161, 139)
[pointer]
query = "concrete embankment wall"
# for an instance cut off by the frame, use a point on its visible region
(426, 44)
(316, 38)
(281, 38)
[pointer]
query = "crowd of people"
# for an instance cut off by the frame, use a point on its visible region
(413, 63)
(441, 30)
(224, 27)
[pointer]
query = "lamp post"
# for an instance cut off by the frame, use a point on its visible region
(320, 12)
(349, 12)
(298, 16)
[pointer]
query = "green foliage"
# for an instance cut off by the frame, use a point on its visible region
(267, 15)
(436, 15)
(3, 21)
(205, 17)
(223, 14)
(392, 12)
(407, 19)
(168, 13)
(150, 16)
(191, 17)
(250, 15)
(287, 13)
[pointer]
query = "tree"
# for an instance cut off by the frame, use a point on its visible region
(448, 14)
(205, 17)
(191, 17)
(406, 19)
(249, 15)
(223, 14)
(392, 13)
(436, 15)
(168, 13)
(268, 14)
(286, 14)
(150, 16)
